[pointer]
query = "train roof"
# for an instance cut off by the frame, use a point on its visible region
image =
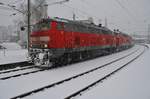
(77, 22)
(80, 22)
(122, 33)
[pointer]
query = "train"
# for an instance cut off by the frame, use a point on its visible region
(62, 41)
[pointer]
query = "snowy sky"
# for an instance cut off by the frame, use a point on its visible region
(131, 16)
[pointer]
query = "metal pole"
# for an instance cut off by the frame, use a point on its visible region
(106, 22)
(29, 29)
(74, 16)
(148, 33)
(4, 52)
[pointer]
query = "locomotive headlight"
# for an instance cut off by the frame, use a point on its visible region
(30, 45)
(45, 45)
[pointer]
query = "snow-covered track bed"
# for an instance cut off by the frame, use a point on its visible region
(20, 72)
(14, 65)
(81, 91)
(17, 69)
(72, 86)
(27, 83)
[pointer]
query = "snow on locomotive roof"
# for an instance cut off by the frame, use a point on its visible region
(59, 19)
(78, 22)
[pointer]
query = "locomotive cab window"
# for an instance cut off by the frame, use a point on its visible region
(41, 26)
(60, 26)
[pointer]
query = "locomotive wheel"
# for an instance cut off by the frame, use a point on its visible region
(49, 64)
(69, 58)
(76, 57)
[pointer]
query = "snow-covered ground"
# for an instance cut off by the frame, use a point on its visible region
(12, 54)
(130, 83)
(68, 88)
(133, 82)
(10, 46)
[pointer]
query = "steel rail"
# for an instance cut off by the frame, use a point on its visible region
(101, 79)
(70, 78)
(14, 70)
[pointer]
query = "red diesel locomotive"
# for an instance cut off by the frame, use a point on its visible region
(63, 41)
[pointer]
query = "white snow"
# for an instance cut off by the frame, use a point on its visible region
(62, 91)
(27, 83)
(124, 84)
(12, 54)
(17, 72)
(133, 82)
(11, 46)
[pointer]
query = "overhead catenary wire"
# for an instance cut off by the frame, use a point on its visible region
(86, 13)
(5, 8)
(92, 5)
(89, 3)
(132, 15)
(73, 10)
(40, 5)
(12, 7)
(126, 10)
(63, 1)
(83, 12)
(53, 3)
(16, 1)
(136, 12)
(77, 9)
(58, 2)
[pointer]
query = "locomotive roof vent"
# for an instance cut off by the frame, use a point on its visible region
(100, 25)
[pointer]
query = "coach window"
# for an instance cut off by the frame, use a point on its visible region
(45, 25)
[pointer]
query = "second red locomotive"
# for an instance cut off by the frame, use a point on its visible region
(56, 40)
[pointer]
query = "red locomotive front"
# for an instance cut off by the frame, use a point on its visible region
(47, 42)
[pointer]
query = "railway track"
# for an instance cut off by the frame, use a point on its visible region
(80, 75)
(79, 92)
(14, 65)
(24, 73)
(14, 70)
(21, 74)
